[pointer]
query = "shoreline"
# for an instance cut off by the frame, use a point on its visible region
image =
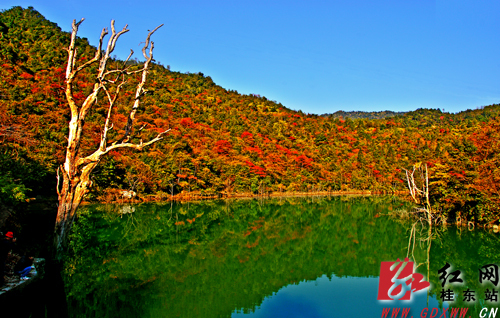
(198, 196)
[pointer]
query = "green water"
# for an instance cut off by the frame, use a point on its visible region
(294, 257)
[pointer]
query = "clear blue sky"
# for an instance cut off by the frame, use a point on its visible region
(316, 56)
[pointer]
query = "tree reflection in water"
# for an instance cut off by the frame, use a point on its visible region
(218, 258)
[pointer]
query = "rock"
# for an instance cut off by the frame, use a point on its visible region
(14, 286)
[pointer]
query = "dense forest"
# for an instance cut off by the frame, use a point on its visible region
(363, 115)
(224, 142)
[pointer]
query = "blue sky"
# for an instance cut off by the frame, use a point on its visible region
(316, 56)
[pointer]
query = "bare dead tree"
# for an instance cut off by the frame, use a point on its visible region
(419, 188)
(77, 169)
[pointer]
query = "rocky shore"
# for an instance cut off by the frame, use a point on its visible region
(14, 285)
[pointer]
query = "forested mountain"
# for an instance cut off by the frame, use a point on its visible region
(223, 141)
(363, 115)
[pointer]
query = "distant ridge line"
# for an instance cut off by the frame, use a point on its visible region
(364, 115)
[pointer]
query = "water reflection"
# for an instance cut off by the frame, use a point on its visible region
(333, 297)
(226, 258)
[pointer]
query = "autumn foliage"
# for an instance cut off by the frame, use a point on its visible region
(223, 141)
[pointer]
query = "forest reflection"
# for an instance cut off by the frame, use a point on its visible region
(221, 258)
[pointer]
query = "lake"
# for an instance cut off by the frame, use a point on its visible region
(280, 257)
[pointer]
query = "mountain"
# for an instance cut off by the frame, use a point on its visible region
(225, 142)
(363, 115)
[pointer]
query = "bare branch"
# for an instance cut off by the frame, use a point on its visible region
(147, 44)
(110, 48)
(140, 90)
(99, 153)
(128, 58)
(71, 48)
(108, 125)
(138, 146)
(134, 72)
(98, 52)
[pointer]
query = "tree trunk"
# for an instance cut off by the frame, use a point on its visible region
(66, 216)
(74, 188)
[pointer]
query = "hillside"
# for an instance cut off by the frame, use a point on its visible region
(225, 142)
(363, 115)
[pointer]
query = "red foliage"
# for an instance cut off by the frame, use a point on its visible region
(26, 76)
(60, 73)
(246, 134)
(187, 122)
(283, 150)
(256, 169)
(55, 85)
(458, 175)
(114, 153)
(223, 147)
(254, 149)
(79, 96)
(304, 160)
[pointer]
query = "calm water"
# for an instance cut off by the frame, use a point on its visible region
(296, 257)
